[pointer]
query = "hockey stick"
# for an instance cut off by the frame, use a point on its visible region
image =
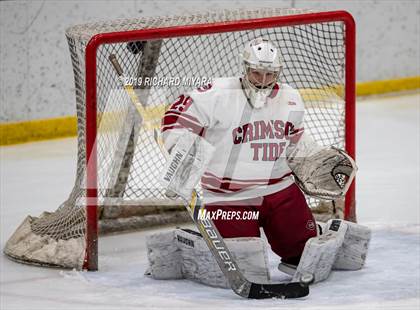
(239, 284)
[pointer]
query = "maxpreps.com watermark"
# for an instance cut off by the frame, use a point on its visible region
(166, 81)
(204, 214)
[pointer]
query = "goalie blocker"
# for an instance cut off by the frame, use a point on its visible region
(188, 159)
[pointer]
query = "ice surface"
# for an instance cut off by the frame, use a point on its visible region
(38, 176)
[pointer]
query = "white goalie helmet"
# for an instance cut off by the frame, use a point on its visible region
(262, 65)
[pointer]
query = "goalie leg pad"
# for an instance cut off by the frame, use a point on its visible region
(320, 252)
(195, 261)
(352, 254)
(164, 257)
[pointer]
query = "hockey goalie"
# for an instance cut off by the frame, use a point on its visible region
(244, 141)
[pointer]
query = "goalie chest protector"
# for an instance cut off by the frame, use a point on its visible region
(249, 159)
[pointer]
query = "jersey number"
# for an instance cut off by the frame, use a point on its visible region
(182, 103)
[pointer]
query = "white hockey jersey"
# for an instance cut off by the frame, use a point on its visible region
(250, 144)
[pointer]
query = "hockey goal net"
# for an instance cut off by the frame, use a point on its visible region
(118, 159)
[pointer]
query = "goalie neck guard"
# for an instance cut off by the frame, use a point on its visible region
(262, 66)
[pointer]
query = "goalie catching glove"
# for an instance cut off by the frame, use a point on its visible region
(325, 173)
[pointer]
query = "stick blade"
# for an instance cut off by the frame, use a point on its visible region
(281, 290)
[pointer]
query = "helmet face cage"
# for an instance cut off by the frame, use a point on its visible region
(262, 67)
(261, 78)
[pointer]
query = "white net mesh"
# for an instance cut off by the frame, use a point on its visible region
(128, 158)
